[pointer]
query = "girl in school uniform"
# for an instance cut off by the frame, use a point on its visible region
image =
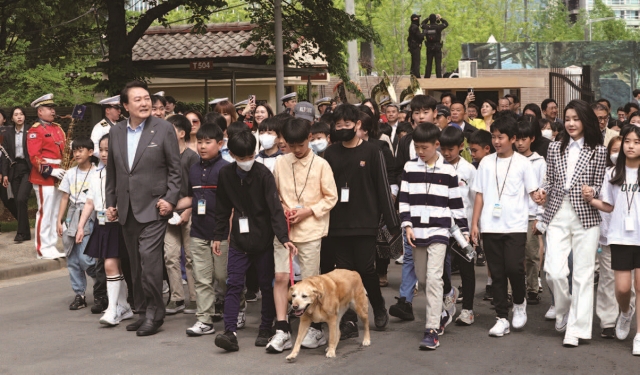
(576, 160)
(106, 242)
(619, 196)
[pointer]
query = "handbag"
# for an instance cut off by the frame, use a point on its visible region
(388, 246)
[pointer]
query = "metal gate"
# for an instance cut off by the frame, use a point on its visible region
(567, 84)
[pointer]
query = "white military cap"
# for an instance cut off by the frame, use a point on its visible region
(218, 100)
(44, 100)
(114, 100)
(289, 96)
(324, 101)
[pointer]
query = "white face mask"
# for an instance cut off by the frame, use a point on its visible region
(547, 133)
(319, 145)
(267, 140)
(245, 165)
(614, 157)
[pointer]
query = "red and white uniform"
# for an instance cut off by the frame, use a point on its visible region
(45, 142)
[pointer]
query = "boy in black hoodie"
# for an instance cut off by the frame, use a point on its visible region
(363, 195)
(249, 190)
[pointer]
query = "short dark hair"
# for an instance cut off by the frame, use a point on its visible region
(525, 129)
(447, 94)
(628, 106)
(474, 106)
(215, 118)
(296, 130)
(236, 127)
(170, 99)
(546, 102)
(481, 138)
(158, 98)
(209, 130)
(181, 123)
(281, 118)
(270, 123)
(106, 136)
(505, 125)
(124, 94)
(13, 111)
(404, 126)
(636, 92)
(3, 114)
(514, 97)
(598, 107)
(426, 132)
(368, 125)
(82, 142)
(242, 144)
(620, 109)
(423, 102)
(451, 136)
(456, 101)
(533, 108)
(603, 100)
(346, 112)
(321, 127)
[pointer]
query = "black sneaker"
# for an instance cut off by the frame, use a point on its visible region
(459, 299)
(99, 305)
(218, 310)
(488, 293)
(250, 296)
(480, 258)
(608, 333)
(348, 330)
(533, 298)
(78, 303)
(402, 309)
(263, 337)
(227, 341)
(381, 318)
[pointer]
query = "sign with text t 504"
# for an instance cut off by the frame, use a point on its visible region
(201, 65)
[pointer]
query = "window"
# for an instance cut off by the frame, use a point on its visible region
(633, 14)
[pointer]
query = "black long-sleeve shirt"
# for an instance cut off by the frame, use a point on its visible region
(362, 169)
(433, 31)
(415, 37)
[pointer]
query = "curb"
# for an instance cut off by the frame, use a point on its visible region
(31, 268)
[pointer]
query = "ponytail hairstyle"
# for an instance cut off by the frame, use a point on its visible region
(590, 125)
(619, 175)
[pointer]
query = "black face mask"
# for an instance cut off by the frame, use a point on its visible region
(344, 135)
(415, 21)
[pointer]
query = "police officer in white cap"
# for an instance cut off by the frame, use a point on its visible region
(322, 104)
(289, 102)
(112, 111)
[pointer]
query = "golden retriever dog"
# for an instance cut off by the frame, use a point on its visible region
(326, 298)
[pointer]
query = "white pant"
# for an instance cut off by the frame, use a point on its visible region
(565, 233)
(48, 206)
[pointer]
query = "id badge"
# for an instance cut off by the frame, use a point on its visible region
(424, 218)
(629, 224)
(244, 224)
(344, 195)
(102, 217)
(497, 210)
(202, 207)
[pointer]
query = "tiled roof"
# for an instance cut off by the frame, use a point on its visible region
(222, 40)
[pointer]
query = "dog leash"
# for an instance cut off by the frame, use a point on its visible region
(287, 215)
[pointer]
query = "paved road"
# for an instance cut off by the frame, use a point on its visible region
(39, 335)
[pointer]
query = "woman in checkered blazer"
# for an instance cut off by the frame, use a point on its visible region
(574, 162)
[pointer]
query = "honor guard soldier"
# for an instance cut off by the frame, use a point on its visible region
(289, 102)
(216, 101)
(384, 102)
(112, 113)
(323, 104)
(46, 143)
(240, 106)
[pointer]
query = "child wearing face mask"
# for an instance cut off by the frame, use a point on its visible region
(320, 137)
(269, 131)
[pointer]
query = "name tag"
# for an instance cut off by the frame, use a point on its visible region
(244, 224)
(424, 218)
(202, 207)
(497, 210)
(629, 224)
(344, 195)
(102, 217)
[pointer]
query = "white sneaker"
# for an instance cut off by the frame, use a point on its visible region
(280, 342)
(109, 318)
(450, 301)
(500, 329)
(314, 339)
(242, 319)
(519, 315)
(636, 345)
(570, 342)
(400, 260)
(123, 313)
(200, 329)
(466, 318)
(561, 325)
(623, 324)
(165, 287)
(551, 313)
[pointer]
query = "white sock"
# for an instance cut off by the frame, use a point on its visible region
(627, 314)
(489, 280)
(637, 335)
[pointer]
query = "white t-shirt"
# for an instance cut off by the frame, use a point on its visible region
(514, 200)
(466, 175)
(620, 201)
(76, 183)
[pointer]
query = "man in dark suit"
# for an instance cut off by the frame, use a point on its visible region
(15, 172)
(458, 111)
(142, 188)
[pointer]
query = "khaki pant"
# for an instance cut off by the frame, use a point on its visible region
(207, 269)
(308, 256)
(429, 264)
(177, 236)
(532, 259)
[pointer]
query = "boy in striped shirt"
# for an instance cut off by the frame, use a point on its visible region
(429, 202)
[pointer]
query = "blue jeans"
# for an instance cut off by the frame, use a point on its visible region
(78, 264)
(409, 278)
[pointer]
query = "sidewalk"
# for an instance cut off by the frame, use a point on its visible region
(18, 260)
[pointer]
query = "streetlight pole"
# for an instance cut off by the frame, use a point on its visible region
(277, 17)
(592, 21)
